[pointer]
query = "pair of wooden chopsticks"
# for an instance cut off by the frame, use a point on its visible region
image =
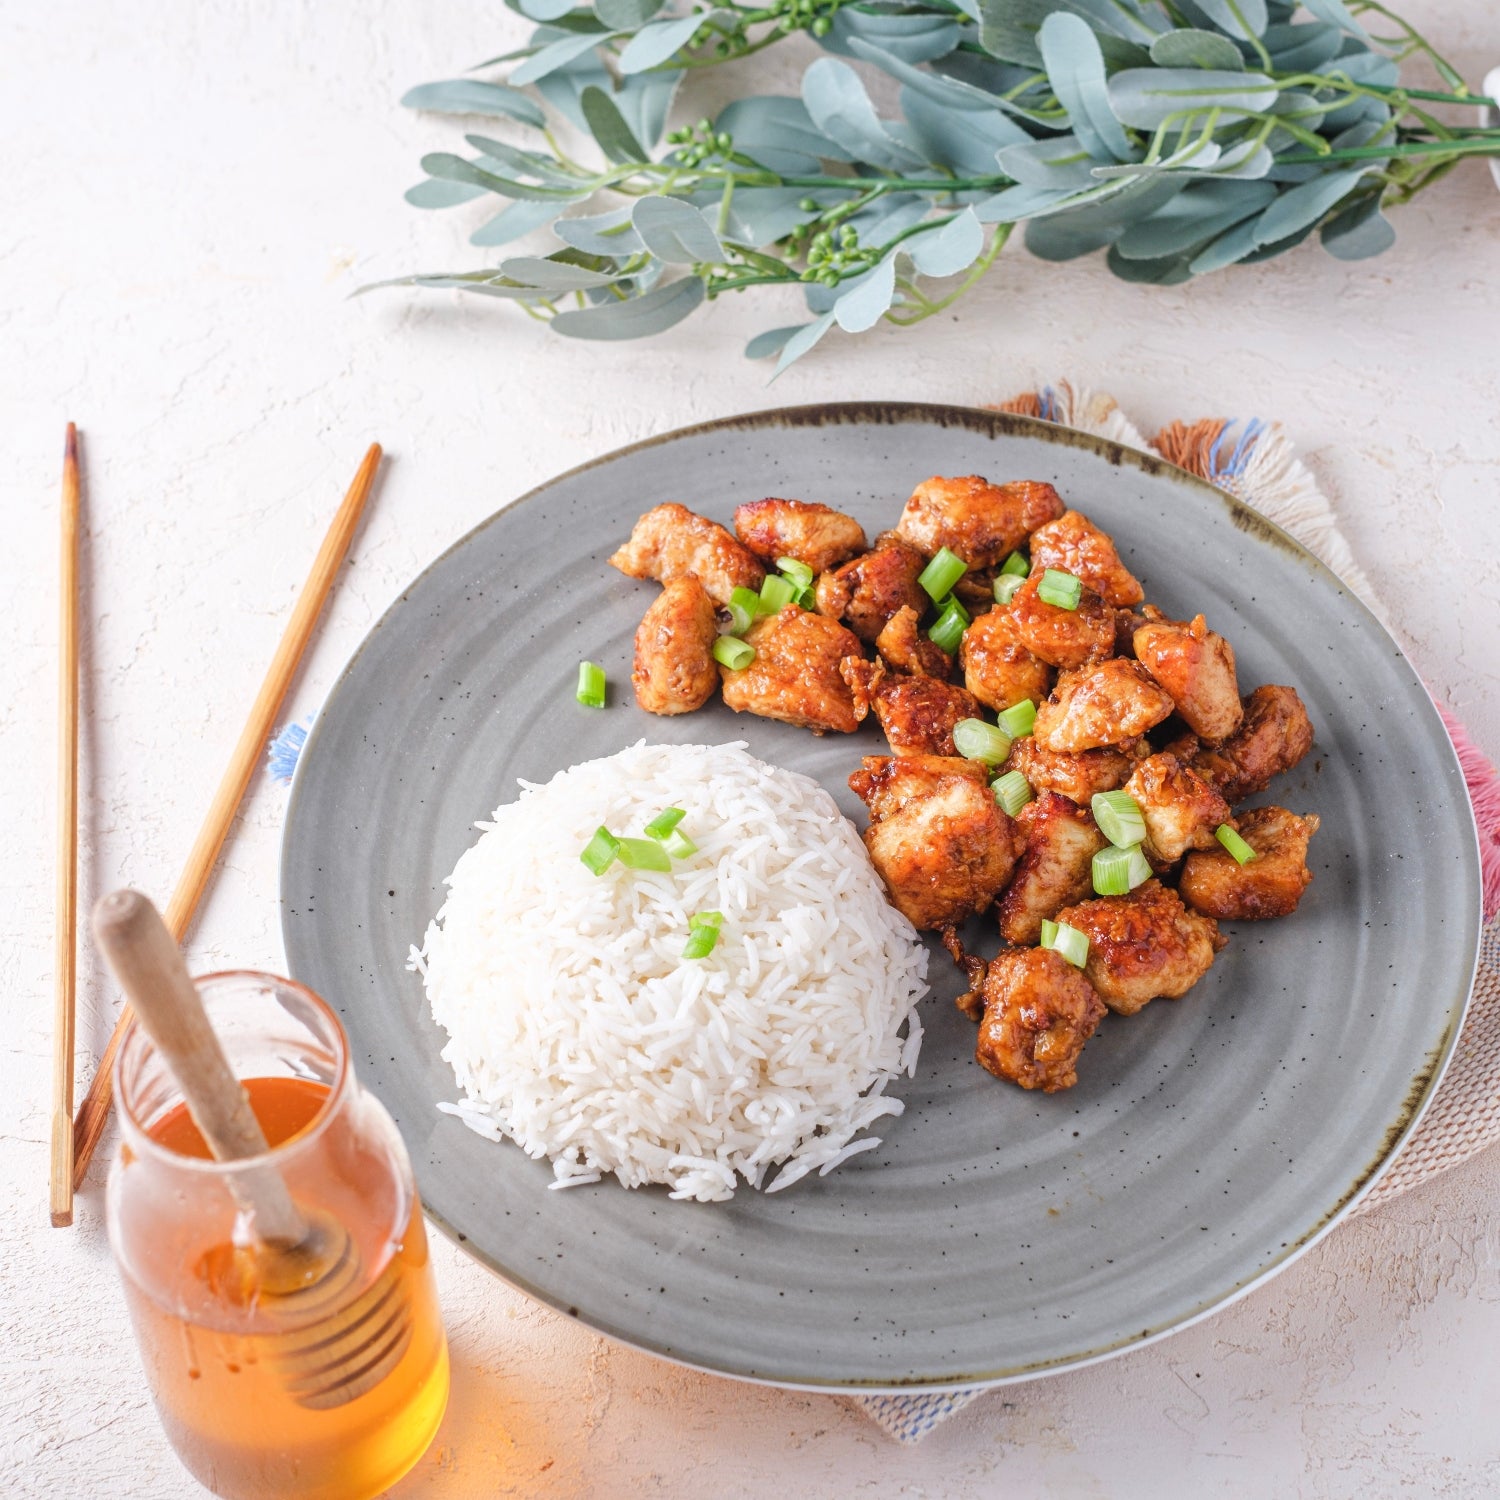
(74, 1140)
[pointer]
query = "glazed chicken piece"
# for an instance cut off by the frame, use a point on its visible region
(904, 647)
(1196, 666)
(814, 534)
(1100, 705)
(1143, 945)
(941, 843)
(675, 671)
(1054, 868)
(865, 593)
(795, 675)
(1038, 1013)
(1062, 637)
(669, 541)
(1180, 809)
(1271, 884)
(1076, 777)
(1127, 622)
(998, 669)
(980, 522)
(916, 713)
(1075, 545)
(1273, 736)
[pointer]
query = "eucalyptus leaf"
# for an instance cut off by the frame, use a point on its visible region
(513, 221)
(498, 154)
(910, 38)
(1075, 68)
(1237, 18)
(1068, 233)
(542, 10)
(1197, 156)
(563, 88)
(554, 275)
(644, 101)
(455, 169)
(660, 41)
(676, 232)
(635, 318)
(1358, 231)
(801, 341)
(432, 192)
(1336, 13)
(761, 216)
(959, 139)
(1012, 205)
(1059, 162)
(889, 216)
(1190, 48)
(489, 283)
(1300, 48)
(555, 55)
(1244, 159)
(1198, 214)
(948, 248)
(866, 299)
(1145, 97)
(626, 15)
(948, 93)
(772, 341)
(1008, 28)
(1276, 247)
(839, 106)
(773, 130)
(1302, 206)
(1169, 271)
(610, 233)
(467, 96)
(609, 128)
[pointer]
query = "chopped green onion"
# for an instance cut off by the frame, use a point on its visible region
(1117, 872)
(1241, 851)
(701, 940)
(600, 851)
(1118, 815)
(1015, 566)
(1018, 719)
(977, 740)
(643, 854)
(714, 919)
(664, 822)
(950, 627)
(1068, 941)
(1012, 791)
(775, 592)
(796, 573)
(744, 607)
(1059, 588)
(939, 576)
(733, 652)
(807, 599)
(679, 845)
(1007, 586)
(590, 685)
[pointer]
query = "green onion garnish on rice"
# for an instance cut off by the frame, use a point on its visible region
(643, 854)
(1241, 851)
(939, 576)
(976, 740)
(590, 685)
(679, 845)
(1117, 871)
(1118, 815)
(1059, 588)
(733, 652)
(702, 936)
(664, 822)
(1068, 941)
(1018, 719)
(600, 851)
(1012, 791)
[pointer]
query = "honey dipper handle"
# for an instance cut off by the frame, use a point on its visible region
(146, 961)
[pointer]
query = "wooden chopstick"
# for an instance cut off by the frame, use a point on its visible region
(65, 967)
(93, 1113)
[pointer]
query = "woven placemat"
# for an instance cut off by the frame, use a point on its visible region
(1254, 461)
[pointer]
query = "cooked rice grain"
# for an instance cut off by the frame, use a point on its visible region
(576, 1027)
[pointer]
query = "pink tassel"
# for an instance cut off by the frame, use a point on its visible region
(1483, 781)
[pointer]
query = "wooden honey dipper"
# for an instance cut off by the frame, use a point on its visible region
(305, 1264)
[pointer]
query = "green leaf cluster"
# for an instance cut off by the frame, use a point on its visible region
(1178, 137)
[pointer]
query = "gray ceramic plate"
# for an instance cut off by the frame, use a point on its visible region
(996, 1233)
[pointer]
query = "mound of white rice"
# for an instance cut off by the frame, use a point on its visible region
(578, 1029)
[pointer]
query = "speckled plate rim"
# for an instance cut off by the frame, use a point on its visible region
(991, 423)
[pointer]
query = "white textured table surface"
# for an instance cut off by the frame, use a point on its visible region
(191, 192)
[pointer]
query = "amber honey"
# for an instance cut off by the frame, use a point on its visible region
(276, 1376)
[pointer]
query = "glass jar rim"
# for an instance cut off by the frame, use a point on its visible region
(137, 1133)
